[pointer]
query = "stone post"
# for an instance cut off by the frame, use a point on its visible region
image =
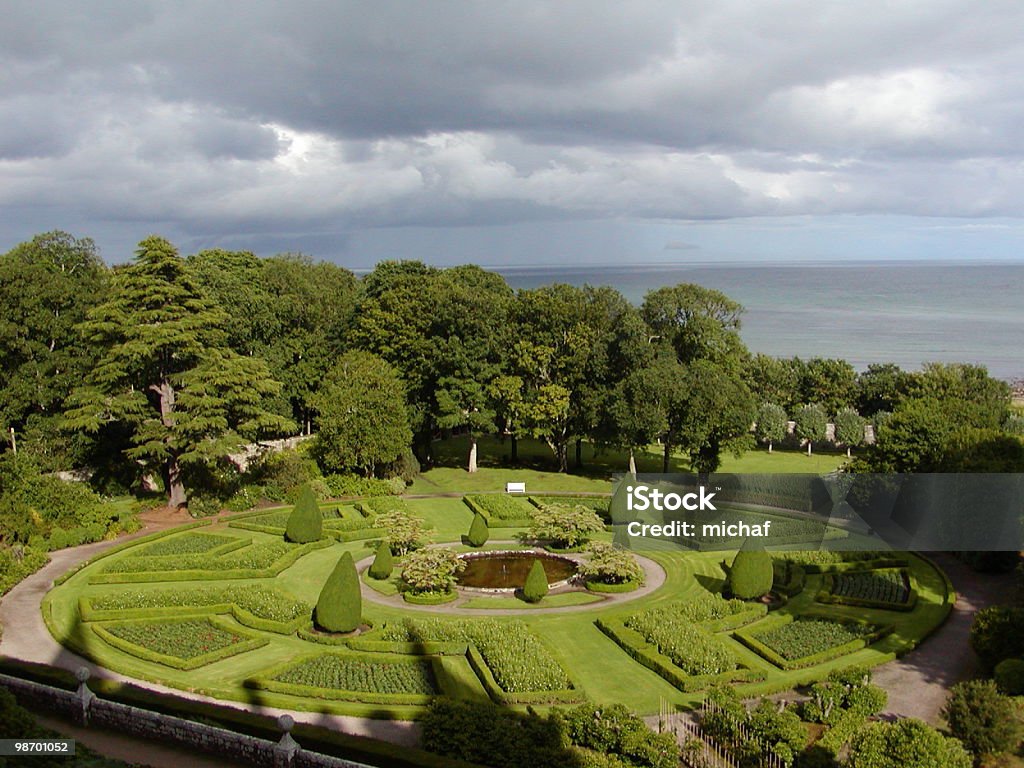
(84, 695)
(286, 749)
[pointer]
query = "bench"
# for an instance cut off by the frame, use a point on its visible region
(515, 487)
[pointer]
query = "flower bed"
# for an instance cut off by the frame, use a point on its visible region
(184, 644)
(353, 673)
(188, 544)
(808, 640)
(888, 589)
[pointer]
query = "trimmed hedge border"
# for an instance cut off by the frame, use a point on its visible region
(240, 614)
(646, 654)
(125, 545)
(856, 565)
(498, 522)
(430, 598)
(499, 696)
(828, 597)
(140, 577)
(601, 587)
(265, 681)
(748, 637)
(359, 535)
(176, 662)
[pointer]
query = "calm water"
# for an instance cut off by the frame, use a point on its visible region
(905, 313)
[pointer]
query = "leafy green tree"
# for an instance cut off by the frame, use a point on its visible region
(966, 394)
(506, 394)
(340, 606)
(699, 323)
(641, 403)
(609, 564)
(1009, 676)
(830, 382)
(432, 570)
(362, 415)
(565, 526)
(811, 424)
(773, 380)
(165, 371)
(714, 415)
(849, 426)
(383, 562)
(997, 634)
(750, 575)
(905, 744)
(536, 586)
(772, 423)
(305, 523)
(881, 387)
(478, 532)
(402, 531)
(47, 285)
(984, 720)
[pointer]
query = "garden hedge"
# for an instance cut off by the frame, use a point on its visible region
(564, 696)
(751, 574)
(340, 606)
(536, 586)
(493, 521)
(748, 636)
(600, 586)
(430, 598)
(176, 662)
(306, 522)
(478, 533)
(383, 562)
(827, 596)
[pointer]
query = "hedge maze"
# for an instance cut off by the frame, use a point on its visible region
(227, 610)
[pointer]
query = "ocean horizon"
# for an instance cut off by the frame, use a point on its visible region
(903, 312)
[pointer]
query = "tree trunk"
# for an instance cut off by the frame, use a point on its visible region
(808, 447)
(848, 454)
(472, 454)
(176, 496)
(562, 452)
(515, 450)
(579, 453)
(769, 446)
(14, 442)
(175, 487)
(632, 462)
(665, 460)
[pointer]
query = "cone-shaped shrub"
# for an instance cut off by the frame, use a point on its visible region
(340, 607)
(383, 562)
(751, 574)
(478, 531)
(536, 585)
(305, 523)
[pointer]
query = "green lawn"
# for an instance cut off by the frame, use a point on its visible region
(599, 668)
(599, 464)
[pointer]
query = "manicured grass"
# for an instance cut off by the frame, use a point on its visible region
(536, 466)
(597, 667)
(551, 601)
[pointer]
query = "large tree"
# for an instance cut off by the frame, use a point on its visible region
(700, 324)
(166, 372)
(362, 415)
(639, 407)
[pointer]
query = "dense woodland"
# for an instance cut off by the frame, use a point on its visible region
(164, 365)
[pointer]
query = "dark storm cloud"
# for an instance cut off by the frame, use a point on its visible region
(247, 121)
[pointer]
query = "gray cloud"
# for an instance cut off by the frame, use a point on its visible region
(254, 122)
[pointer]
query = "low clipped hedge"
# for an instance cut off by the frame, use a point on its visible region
(648, 655)
(138, 577)
(500, 696)
(427, 647)
(500, 510)
(827, 596)
(430, 598)
(361, 534)
(749, 638)
(176, 662)
(602, 587)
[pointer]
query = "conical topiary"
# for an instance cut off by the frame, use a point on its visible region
(478, 531)
(751, 574)
(383, 562)
(536, 586)
(340, 607)
(305, 523)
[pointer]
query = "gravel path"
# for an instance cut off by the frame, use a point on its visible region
(919, 682)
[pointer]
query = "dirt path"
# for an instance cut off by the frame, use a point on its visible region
(919, 682)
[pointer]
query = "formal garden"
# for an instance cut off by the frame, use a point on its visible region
(357, 608)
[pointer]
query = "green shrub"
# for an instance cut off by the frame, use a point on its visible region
(1009, 674)
(905, 744)
(17, 563)
(536, 586)
(340, 606)
(305, 523)
(500, 507)
(751, 574)
(383, 562)
(982, 718)
(997, 634)
(478, 532)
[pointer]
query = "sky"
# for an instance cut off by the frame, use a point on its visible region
(518, 133)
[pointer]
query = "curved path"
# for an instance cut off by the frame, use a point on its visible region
(918, 683)
(26, 637)
(654, 578)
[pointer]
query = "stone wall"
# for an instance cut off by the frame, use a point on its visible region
(85, 708)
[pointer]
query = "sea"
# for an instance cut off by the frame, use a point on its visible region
(906, 313)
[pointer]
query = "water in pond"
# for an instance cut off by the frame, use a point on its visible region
(508, 570)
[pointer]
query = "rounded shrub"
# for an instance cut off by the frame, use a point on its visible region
(478, 531)
(751, 574)
(536, 586)
(1009, 676)
(305, 523)
(383, 562)
(982, 718)
(997, 634)
(340, 607)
